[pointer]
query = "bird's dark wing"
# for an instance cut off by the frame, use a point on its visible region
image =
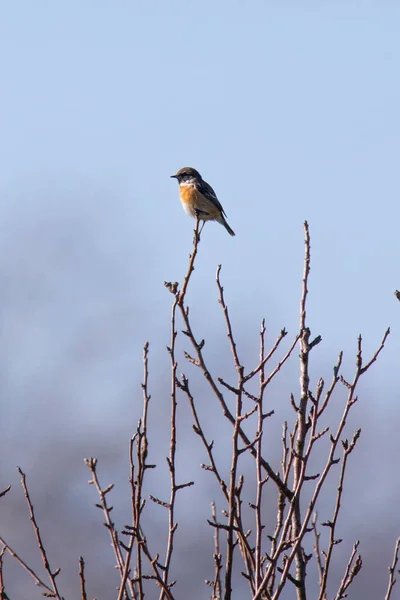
(204, 188)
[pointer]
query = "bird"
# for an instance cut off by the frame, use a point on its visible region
(199, 199)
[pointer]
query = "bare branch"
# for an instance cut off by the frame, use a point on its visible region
(317, 551)
(4, 492)
(24, 565)
(51, 574)
(392, 570)
(377, 353)
(137, 502)
(216, 584)
(3, 595)
(196, 241)
(352, 569)
(91, 464)
(82, 578)
(347, 449)
(266, 358)
(298, 463)
(228, 323)
(281, 362)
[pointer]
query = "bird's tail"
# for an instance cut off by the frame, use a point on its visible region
(223, 222)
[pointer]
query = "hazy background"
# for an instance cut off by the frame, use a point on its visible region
(291, 111)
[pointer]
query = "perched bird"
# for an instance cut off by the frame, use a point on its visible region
(199, 199)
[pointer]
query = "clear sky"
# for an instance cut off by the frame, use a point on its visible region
(290, 110)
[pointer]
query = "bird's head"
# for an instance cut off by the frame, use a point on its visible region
(186, 175)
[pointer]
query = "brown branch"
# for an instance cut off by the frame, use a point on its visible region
(347, 449)
(307, 258)
(329, 463)
(136, 509)
(232, 342)
(259, 474)
(392, 570)
(153, 561)
(237, 528)
(233, 514)
(3, 595)
(51, 574)
(353, 567)
(295, 528)
(172, 525)
(4, 492)
(280, 364)
(298, 463)
(216, 584)
(365, 368)
(184, 386)
(82, 578)
(286, 463)
(30, 571)
(234, 488)
(232, 491)
(91, 464)
(232, 500)
(266, 358)
(335, 379)
(179, 301)
(136, 484)
(317, 550)
(196, 241)
(201, 363)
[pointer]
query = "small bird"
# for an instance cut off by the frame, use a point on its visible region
(199, 199)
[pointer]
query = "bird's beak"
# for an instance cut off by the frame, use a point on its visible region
(174, 176)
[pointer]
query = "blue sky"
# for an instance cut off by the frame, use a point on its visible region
(290, 110)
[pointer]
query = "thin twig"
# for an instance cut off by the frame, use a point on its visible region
(317, 550)
(296, 527)
(179, 301)
(91, 464)
(298, 463)
(392, 570)
(172, 525)
(232, 342)
(353, 567)
(235, 486)
(197, 427)
(217, 588)
(184, 386)
(3, 594)
(82, 578)
(329, 463)
(51, 574)
(201, 363)
(196, 241)
(137, 503)
(4, 492)
(335, 380)
(30, 571)
(347, 449)
(266, 358)
(260, 480)
(280, 364)
(233, 508)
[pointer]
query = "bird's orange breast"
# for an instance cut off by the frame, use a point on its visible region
(187, 194)
(192, 198)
